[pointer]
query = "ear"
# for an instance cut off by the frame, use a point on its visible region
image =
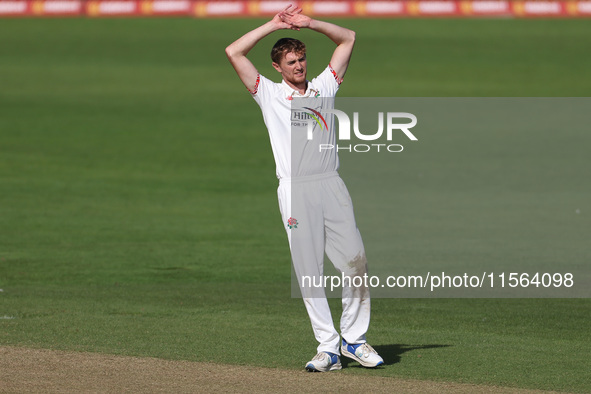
(276, 67)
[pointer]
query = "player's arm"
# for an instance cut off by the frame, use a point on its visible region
(343, 37)
(238, 50)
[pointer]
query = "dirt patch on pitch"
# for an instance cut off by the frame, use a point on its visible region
(33, 370)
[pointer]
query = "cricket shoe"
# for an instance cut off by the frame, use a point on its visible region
(363, 353)
(324, 362)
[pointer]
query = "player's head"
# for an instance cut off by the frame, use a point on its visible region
(289, 58)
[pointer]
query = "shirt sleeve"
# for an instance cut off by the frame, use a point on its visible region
(262, 90)
(328, 81)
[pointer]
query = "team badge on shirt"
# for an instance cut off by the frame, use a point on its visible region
(292, 223)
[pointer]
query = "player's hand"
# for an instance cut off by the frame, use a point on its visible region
(294, 17)
(279, 20)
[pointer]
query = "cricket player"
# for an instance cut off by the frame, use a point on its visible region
(315, 205)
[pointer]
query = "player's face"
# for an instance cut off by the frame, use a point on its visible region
(293, 68)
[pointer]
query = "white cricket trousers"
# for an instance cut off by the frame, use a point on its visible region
(318, 214)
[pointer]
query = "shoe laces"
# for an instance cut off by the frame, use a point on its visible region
(320, 356)
(366, 349)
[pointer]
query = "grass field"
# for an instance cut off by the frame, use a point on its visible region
(138, 209)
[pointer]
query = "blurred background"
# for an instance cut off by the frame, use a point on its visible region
(335, 8)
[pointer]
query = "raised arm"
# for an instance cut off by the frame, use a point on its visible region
(343, 37)
(238, 50)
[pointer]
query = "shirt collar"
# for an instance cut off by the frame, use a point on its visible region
(291, 92)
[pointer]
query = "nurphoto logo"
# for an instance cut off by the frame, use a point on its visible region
(344, 133)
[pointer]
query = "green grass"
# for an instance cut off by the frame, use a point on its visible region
(139, 215)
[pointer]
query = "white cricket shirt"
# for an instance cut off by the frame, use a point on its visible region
(288, 135)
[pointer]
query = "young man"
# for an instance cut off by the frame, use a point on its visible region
(314, 202)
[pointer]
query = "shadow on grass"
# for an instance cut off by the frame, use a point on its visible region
(390, 353)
